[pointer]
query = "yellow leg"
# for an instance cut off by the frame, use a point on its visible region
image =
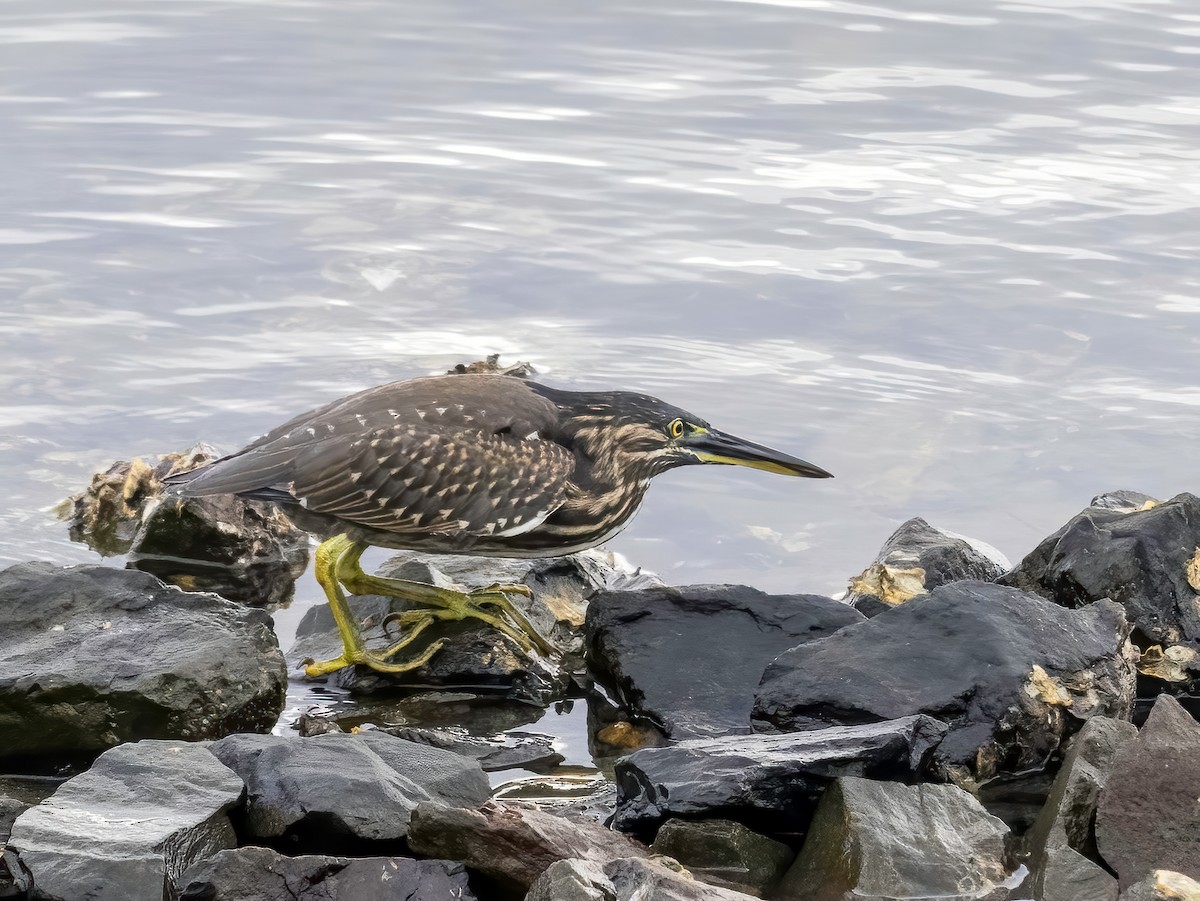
(447, 604)
(354, 650)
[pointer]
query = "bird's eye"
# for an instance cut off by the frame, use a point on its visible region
(676, 428)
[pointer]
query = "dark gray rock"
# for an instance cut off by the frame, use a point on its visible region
(261, 874)
(1012, 673)
(1139, 559)
(1066, 875)
(505, 751)
(769, 782)
(127, 828)
(1062, 843)
(885, 840)
(476, 655)
(243, 550)
(1148, 817)
(624, 879)
(347, 787)
(513, 843)
(918, 558)
(10, 809)
(96, 656)
(725, 853)
(636, 640)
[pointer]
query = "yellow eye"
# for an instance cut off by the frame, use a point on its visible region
(676, 428)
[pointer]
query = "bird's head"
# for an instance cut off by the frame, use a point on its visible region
(640, 436)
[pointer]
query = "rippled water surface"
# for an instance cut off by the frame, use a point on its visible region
(946, 250)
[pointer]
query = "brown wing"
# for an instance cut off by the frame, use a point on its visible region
(406, 478)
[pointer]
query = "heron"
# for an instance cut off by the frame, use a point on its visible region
(483, 464)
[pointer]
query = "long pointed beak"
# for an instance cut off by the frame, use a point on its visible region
(713, 446)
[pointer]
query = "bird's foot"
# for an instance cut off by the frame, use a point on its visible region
(490, 605)
(381, 660)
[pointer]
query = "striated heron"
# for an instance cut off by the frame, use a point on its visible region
(465, 464)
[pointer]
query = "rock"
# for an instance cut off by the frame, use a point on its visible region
(1012, 673)
(624, 879)
(505, 751)
(340, 789)
(479, 713)
(886, 840)
(1164, 885)
(917, 558)
(578, 793)
(491, 364)
(261, 874)
(635, 637)
(96, 656)
(725, 853)
(1148, 816)
(1062, 843)
(512, 843)
(476, 655)
(769, 782)
(1141, 559)
(127, 828)
(10, 809)
(243, 550)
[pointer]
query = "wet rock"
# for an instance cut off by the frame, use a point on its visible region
(247, 551)
(634, 637)
(1163, 885)
(10, 809)
(916, 559)
(497, 752)
(261, 874)
(127, 828)
(885, 840)
(579, 793)
(1143, 560)
(625, 879)
(1012, 673)
(512, 843)
(96, 656)
(768, 782)
(336, 789)
(725, 853)
(243, 550)
(476, 655)
(1062, 843)
(1148, 817)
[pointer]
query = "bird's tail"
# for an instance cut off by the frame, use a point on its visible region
(260, 474)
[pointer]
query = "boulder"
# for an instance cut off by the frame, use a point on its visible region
(888, 841)
(1163, 885)
(1062, 843)
(1012, 673)
(261, 874)
(768, 782)
(635, 640)
(127, 828)
(1144, 559)
(338, 789)
(725, 853)
(243, 550)
(917, 558)
(96, 656)
(513, 843)
(505, 751)
(476, 655)
(623, 879)
(1148, 817)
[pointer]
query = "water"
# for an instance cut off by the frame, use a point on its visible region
(945, 250)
